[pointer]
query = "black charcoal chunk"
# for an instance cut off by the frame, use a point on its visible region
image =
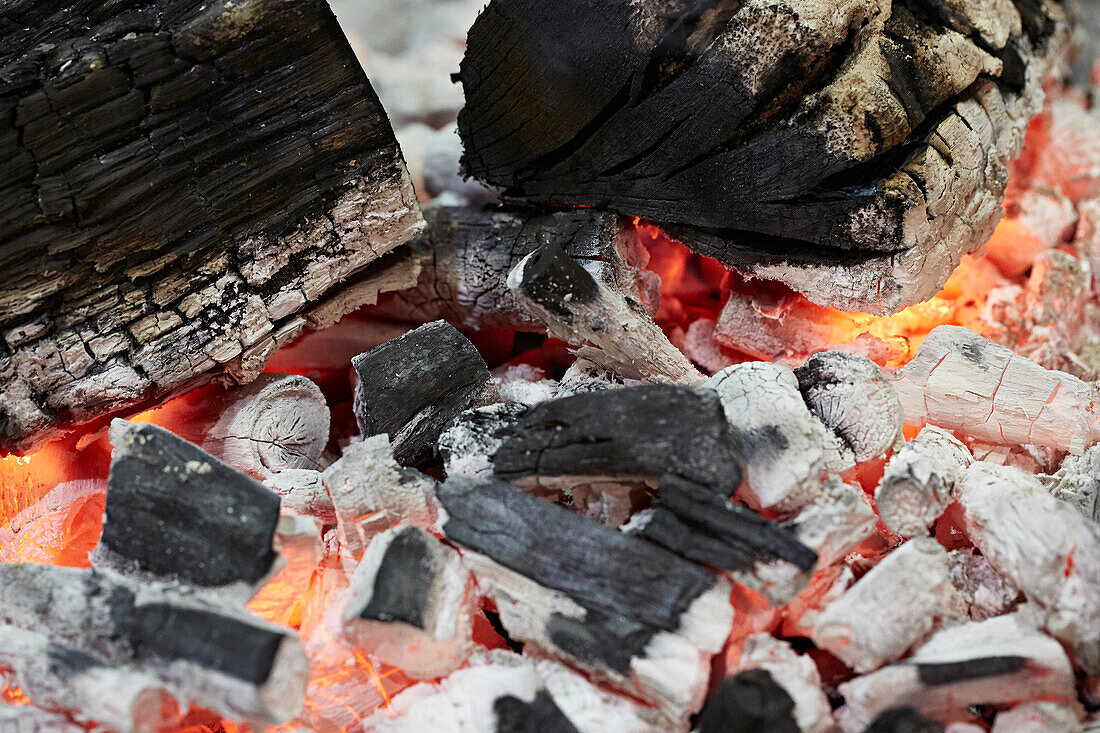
(541, 715)
(600, 639)
(557, 282)
(946, 673)
(750, 702)
(404, 581)
(175, 511)
(413, 386)
(633, 432)
(903, 720)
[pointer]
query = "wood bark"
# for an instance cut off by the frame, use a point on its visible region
(185, 184)
(854, 153)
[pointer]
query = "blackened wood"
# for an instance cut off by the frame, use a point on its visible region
(181, 184)
(541, 715)
(790, 128)
(646, 432)
(903, 720)
(945, 673)
(177, 512)
(750, 702)
(404, 581)
(413, 386)
(555, 281)
(598, 567)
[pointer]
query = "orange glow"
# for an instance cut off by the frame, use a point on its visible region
(13, 696)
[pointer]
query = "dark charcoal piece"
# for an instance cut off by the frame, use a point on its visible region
(598, 567)
(692, 521)
(404, 581)
(179, 181)
(946, 673)
(903, 720)
(541, 715)
(750, 702)
(633, 432)
(412, 387)
(557, 282)
(178, 512)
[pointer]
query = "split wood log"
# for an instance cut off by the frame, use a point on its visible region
(371, 493)
(628, 433)
(275, 423)
(409, 603)
(795, 673)
(1043, 547)
(302, 492)
(891, 608)
(413, 386)
(750, 700)
(918, 481)
(855, 154)
(995, 662)
(962, 382)
(183, 183)
(1077, 482)
(214, 655)
(467, 253)
(850, 395)
(609, 328)
(787, 449)
(178, 514)
(631, 613)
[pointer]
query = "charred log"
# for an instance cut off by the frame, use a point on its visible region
(183, 184)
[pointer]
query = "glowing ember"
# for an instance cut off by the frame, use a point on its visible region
(13, 696)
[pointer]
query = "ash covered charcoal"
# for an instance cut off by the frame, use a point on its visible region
(903, 720)
(213, 654)
(838, 520)
(786, 447)
(408, 603)
(1077, 482)
(697, 524)
(411, 387)
(986, 592)
(1038, 717)
(616, 605)
(176, 513)
(302, 493)
(469, 442)
(850, 395)
(371, 493)
(749, 702)
(1043, 547)
(795, 673)
(918, 480)
(1000, 661)
(962, 382)
(895, 605)
(634, 432)
(610, 328)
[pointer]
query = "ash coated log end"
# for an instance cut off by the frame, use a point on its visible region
(183, 183)
(175, 512)
(631, 432)
(919, 479)
(413, 386)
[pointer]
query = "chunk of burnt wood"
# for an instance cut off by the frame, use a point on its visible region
(903, 720)
(632, 432)
(413, 386)
(749, 702)
(185, 187)
(919, 479)
(795, 673)
(178, 513)
(541, 715)
(610, 329)
(835, 150)
(469, 442)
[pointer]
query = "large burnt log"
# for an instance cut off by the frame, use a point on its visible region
(854, 153)
(184, 186)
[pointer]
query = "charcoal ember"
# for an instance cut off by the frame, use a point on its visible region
(409, 603)
(918, 480)
(1038, 717)
(302, 493)
(1040, 218)
(622, 608)
(836, 522)
(693, 522)
(957, 376)
(1077, 482)
(411, 387)
(797, 674)
(850, 395)
(371, 493)
(163, 519)
(1000, 661)
(698, 344)
(609, 328)
(903, 720)
(40, 533)
(584, 375)
(300, 543)
(202, 651)
(26, 719)
(865, 630)
(469, 442)
(634, 432)
(787, 449)
(1087, 237)
(749, 702)
(985, 591)
(1043, 547)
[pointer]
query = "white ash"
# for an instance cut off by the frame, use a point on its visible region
(469, 442)
(1038, 717)
(699, 345)
(986, 592)
(1077, 482)
(838, 521)
(796, 674)
(302, 493)
(917, 482)
(524, 384)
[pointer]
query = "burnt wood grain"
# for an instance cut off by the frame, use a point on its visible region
(181, 183)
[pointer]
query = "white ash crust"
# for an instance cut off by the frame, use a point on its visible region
(918, 481)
